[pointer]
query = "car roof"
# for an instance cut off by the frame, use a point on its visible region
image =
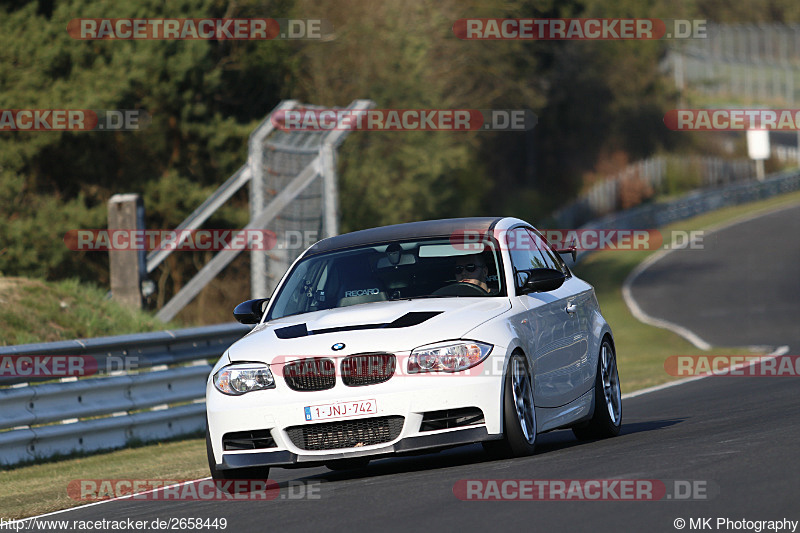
(409, 231)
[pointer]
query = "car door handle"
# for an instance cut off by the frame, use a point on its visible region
(571, 309)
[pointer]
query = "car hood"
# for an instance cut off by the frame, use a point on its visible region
(392, 326)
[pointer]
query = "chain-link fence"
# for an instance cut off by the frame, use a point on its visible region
(745, 63)
(292, 194)
(277, 159)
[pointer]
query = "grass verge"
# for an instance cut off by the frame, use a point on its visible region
(642, 349)
(42, 488)
(40, 311)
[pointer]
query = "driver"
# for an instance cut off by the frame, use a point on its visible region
(472, 269)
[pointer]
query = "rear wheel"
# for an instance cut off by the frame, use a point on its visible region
(256, 472)
(607, 418)
(519, 416)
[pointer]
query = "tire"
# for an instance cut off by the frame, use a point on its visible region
(519, 415)
(256, 472)
(606, 420)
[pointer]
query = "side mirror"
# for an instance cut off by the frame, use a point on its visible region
(250, 312)
(543, 280)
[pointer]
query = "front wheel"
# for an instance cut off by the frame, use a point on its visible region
(519, 416)
(607, 418)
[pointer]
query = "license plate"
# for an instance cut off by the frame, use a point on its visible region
(341, 410)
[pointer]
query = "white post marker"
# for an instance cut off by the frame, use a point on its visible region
(758, 149)
(798, 148)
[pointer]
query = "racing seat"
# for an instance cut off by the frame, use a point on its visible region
(357, 284)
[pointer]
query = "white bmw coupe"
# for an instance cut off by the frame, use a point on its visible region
(413, 337)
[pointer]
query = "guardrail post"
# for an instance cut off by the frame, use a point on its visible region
(126, 267)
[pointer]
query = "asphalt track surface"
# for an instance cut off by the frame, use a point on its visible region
(742, 288)
(735, 437)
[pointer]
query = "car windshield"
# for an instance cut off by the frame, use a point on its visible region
(400, 270)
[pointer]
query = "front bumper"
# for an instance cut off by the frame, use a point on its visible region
(408, 445)
(409, 396)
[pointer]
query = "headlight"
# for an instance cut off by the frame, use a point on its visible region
(450, 357)
(242, 378)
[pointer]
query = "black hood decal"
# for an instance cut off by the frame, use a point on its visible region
(409, 319)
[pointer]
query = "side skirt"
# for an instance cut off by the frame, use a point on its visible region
(575, 412)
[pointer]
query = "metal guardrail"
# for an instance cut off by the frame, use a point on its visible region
(54, 402)
(146, 349)
(130, 407)
(697, 203)
(607, 195)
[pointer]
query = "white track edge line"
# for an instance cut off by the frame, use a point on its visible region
(119, 498)
(637, 311)
(780, 350)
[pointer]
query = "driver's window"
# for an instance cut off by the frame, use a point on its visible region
(524, 252)
(544, 249)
